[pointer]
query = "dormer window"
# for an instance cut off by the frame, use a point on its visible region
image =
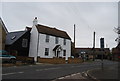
(13, 37)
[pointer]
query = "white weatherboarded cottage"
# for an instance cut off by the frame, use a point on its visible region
(48, 42)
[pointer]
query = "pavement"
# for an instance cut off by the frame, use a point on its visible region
(105, 74)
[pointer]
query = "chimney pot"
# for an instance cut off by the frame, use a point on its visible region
(35, 21)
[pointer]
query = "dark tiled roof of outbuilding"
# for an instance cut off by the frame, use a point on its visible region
(52, 31)
(13, 36)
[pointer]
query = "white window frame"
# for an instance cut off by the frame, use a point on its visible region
(46, 51)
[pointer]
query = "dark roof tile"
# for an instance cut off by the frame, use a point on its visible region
(13, 36)
(52, 31)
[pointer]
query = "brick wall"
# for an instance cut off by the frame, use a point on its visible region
(59, 60)
(25, 59)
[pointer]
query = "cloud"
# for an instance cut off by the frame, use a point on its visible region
(88, 16)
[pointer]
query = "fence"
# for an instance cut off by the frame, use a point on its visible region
(25, 59)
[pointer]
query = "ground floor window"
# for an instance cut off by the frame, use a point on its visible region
(46, 51)
(64, 52)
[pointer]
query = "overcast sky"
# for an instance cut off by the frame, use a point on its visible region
(100, 17)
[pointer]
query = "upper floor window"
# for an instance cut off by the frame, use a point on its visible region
(56, 40)
(24, 42)
(47, 38)
(64, 41)
(46, 51)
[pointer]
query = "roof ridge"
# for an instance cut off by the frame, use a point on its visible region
(52, 31)
(51, 27)
(17, 31)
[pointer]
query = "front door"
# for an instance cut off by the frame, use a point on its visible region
(58, 53)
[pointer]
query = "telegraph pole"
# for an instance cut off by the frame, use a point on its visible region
(94, 40)
(74, 34)
(93, 46)
(74, 39)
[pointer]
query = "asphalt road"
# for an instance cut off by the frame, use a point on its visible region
(49, 71)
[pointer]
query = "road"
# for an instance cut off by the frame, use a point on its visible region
(49, 71)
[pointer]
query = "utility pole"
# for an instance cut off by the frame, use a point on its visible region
(94, 46)
(74, 34)
(74, 39)
(94, 40)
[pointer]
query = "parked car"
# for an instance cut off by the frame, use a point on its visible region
(5, 57)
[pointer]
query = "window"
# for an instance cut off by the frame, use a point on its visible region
(56, 40)
(64, 52)
(47, 38)
(64, 42)
(46, 51)
(24, 42)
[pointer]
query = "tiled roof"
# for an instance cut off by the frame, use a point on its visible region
(28, 28)
(13, 36)
(52, 31)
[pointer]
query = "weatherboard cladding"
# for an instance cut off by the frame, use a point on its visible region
(52, 31)
(16, 36)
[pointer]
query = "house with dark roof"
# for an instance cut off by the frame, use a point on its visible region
(48, 42)
(3, 33)
(17, 43)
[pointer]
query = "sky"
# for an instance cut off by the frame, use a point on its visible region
(88, 17)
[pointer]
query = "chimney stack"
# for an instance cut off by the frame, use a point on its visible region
(35, 21)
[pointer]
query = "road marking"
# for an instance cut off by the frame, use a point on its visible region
(61, 78)
(75, 66)
(39, 70)
(67, 76)
(20, 72)
(12, 73)
(78, 73)
(73, 74)
(8, 74)
(47, 69)
(86, 74)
